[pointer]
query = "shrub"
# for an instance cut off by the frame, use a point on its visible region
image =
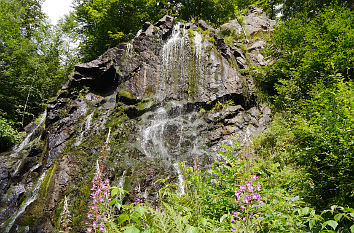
(8, 135)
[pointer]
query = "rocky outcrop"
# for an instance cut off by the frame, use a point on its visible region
(172, 94)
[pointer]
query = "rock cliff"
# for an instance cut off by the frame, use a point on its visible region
(172, 94)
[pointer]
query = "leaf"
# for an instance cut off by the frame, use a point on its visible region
(119, 204)
(112, 202)
(141, 210)
(123, 218)
(333, 207)
(312, 223)
(338, 217)
(305, 211)
(352, 229)
(204, 221)
(331, 223)
(191, 229)
(132, 229)
(114, 192)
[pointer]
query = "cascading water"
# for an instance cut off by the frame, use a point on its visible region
(173, 62)
(153, 134)
(25, 142)
(84, 129)
(32, 197)
(180, 179)
(198, 44)
(171, 134)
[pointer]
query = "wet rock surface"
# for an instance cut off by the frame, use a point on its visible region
(172, 94)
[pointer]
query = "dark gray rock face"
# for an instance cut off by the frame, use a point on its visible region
(172, 94)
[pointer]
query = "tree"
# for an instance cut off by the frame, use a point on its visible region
(306, 51)
(309, 83)
(324, 133)
(291, 8)
(31, 67)
(105, 23)
(102, 24)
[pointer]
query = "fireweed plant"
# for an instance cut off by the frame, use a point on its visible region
(248, 203)
(99, 208)
(247, 214)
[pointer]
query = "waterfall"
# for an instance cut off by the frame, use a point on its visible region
(154, 134)
(25, 142)
(32, 198)
(85, 128)
(198, 44)
(180, 179)
(170, 134)
(138, 33)
(173, 62)
(122, 180)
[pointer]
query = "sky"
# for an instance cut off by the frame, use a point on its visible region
(56, 9)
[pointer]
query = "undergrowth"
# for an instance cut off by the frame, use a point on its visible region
(241, 192)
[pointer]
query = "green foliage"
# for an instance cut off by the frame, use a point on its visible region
(207, 203)
(309, 85)
(104, 23)
(308, 8)
(214, 11)
(336, 219)
(8, 135)
(307, 51)
(101, 24)
(325, 135)
(318, 142)
(31, 61)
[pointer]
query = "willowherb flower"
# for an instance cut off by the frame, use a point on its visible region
(252, 201)
(99, 209)
(254, 177)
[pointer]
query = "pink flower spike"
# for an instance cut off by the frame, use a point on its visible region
(254, 177)
(258, 186)
(242, 188)
(89, 229)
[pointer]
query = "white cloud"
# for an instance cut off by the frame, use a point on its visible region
(56, 9)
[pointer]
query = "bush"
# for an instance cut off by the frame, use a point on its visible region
(8, 135)
(324, 132)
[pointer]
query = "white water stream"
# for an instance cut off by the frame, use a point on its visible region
(154, 134)
(85, 128)
(180, 179)
(24, 143)
(29, 200)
